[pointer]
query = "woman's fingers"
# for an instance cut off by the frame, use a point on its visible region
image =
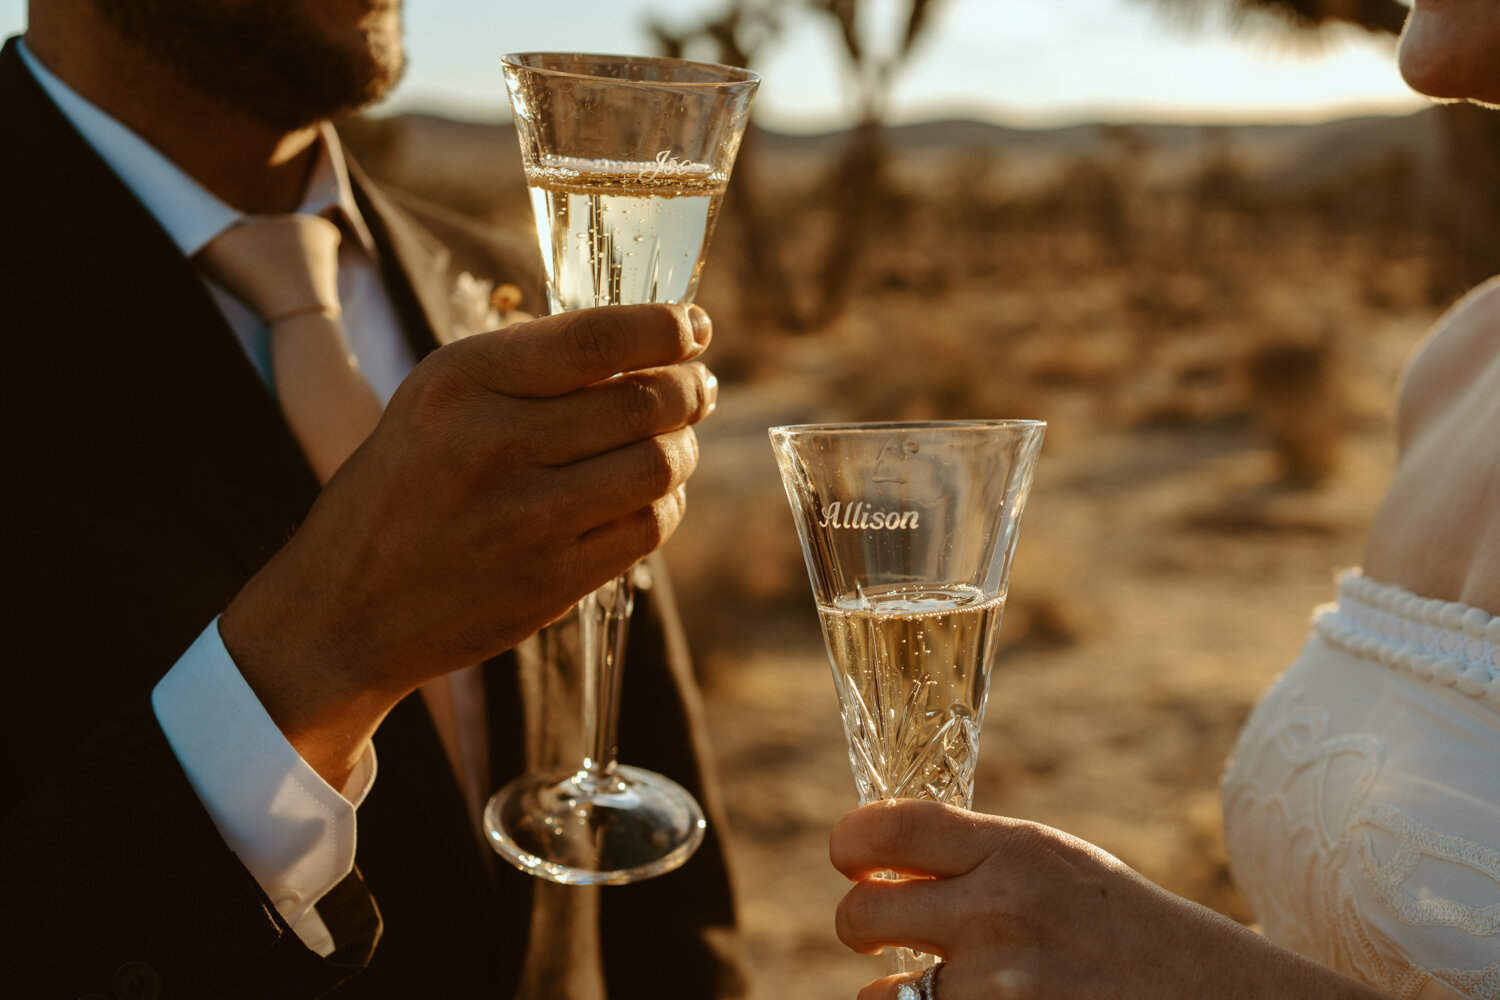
(888, 987)
(913, 837)
(1020, 911)
(912, 913)
(962, 982)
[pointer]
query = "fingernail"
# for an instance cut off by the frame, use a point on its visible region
(711, 391)
(702, 325)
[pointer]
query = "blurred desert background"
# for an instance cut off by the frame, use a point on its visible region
(1212, 319)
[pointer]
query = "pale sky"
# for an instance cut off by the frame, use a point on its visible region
(1028, 62)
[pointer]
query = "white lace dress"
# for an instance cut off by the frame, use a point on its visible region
(1362, 804)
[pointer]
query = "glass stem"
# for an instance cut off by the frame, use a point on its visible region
(898, 960)
(604, 617)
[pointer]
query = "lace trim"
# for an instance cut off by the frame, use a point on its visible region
(1322, 852)
(1443, 642)
(1416, 841)
(1483, 984)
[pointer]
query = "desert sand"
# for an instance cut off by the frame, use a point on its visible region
(1213, 326)
(1218, 441)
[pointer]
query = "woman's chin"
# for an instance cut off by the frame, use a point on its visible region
(1448, 53)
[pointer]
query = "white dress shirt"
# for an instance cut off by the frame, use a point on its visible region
(293, 831)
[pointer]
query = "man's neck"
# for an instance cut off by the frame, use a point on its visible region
(249, 165)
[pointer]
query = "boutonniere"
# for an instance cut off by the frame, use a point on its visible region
(477, 306)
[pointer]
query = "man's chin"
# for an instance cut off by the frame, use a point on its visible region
(309, 86)
(286, 66)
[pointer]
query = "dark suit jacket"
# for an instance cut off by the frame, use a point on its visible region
(148, 475)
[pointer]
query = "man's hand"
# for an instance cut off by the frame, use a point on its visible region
(509, 476)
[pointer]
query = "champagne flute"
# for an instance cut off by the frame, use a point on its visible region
(908, 530)
(626, 159)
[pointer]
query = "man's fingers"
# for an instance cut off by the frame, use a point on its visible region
(557, 354)
(608, 487)
(912, 837)
(615, 546)
(620, 411)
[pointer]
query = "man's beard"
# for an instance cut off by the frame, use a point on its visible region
(271, 60)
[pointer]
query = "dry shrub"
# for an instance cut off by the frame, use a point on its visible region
(1161, 299)
(736, 561)
(1296, 401)
(1202, 870)
(1186, 380)
(904, 365)
(1081, 359)
(1038, 620)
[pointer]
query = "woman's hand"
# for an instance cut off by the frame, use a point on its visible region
(1018, 910)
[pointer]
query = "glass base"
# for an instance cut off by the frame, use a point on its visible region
(589, 828)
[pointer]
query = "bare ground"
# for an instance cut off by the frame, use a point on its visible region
(1165, 574)
(1214, 348)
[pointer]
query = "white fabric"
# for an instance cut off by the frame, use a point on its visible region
(1362, 804)
(232, 753)
(288, 826)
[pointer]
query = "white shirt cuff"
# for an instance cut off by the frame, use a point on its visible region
(291, 829)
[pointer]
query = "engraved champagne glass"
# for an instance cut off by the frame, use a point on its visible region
(626, 159)
(908, 530)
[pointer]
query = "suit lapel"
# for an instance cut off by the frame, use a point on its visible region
(147, 356)
(415, 268)
(411, 756)
(413, 262)
(149, 359)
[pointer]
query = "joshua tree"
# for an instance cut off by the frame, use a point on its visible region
(855, 180)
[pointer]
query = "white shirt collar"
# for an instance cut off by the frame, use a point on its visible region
(190, 213)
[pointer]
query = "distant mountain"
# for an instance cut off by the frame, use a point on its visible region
(1294, 155)
(428, 150)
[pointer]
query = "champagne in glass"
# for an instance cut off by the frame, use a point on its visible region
(626, 160)
(615, 232)
(908, 532)
(911, 665)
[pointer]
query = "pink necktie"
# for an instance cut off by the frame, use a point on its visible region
(285, 267)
